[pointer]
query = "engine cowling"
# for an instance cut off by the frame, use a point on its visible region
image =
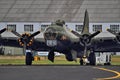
(85, 39)
(25, 39)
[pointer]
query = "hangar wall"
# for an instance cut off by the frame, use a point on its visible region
(6, 50)
(50, 10)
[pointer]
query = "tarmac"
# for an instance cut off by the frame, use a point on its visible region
(56, 72)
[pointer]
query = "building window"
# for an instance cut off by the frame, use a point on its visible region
(28, 28)
(115, 28)
(11, 27)
(97, 28)
(43, 27)
(79, 28)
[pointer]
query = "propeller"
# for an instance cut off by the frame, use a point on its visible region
(25, 39)
(85, 39)
(2, 30)
(34, 34)
(16, 33)
(113, 32)
(19, 35)
(94, 34)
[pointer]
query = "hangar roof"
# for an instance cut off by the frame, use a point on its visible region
(51, 10)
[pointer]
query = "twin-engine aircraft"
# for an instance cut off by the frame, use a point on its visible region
(58, 37)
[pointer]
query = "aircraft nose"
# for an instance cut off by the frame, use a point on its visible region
(50, 34)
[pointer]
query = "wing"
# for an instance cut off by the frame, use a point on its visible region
(9, 39)
(4, 38)
(106, 42)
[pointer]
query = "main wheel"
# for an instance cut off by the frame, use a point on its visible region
(92, 58)
(81, 61)
(28, 58)
(107, 63)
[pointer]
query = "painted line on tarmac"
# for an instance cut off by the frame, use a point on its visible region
(108, 70)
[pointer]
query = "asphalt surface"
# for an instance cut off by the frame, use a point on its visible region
(59, 72)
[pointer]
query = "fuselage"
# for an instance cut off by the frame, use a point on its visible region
(56, 36)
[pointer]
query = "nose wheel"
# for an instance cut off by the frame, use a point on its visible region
(90, 60)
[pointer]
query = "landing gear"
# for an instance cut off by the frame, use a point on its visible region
(81, 61)
(51, 55)
(92, 58)
(29, 58)
(107, 63)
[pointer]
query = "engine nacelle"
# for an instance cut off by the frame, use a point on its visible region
(85, 40)
(25, 39)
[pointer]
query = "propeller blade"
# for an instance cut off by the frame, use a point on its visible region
(34, 34)
(24, 48)
(112, 32)
(76, 33)
(85, 29)
(3, 30)
(51, 55)
(85, 50)
(94, 34)
(16, 33)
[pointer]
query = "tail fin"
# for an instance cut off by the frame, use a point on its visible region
(86, 23)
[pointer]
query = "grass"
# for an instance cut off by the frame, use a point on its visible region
(115, 60)
(42, 62)
(20, 60)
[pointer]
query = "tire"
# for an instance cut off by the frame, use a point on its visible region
(92, 59)
(81, 61)
(29, 58)
(107, 63)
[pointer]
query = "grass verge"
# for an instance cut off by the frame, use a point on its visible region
(20, 60)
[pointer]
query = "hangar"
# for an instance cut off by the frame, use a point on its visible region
(50, 10)
(31, 15)
(40, 12)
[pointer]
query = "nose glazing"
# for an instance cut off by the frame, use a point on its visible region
(50, 34)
